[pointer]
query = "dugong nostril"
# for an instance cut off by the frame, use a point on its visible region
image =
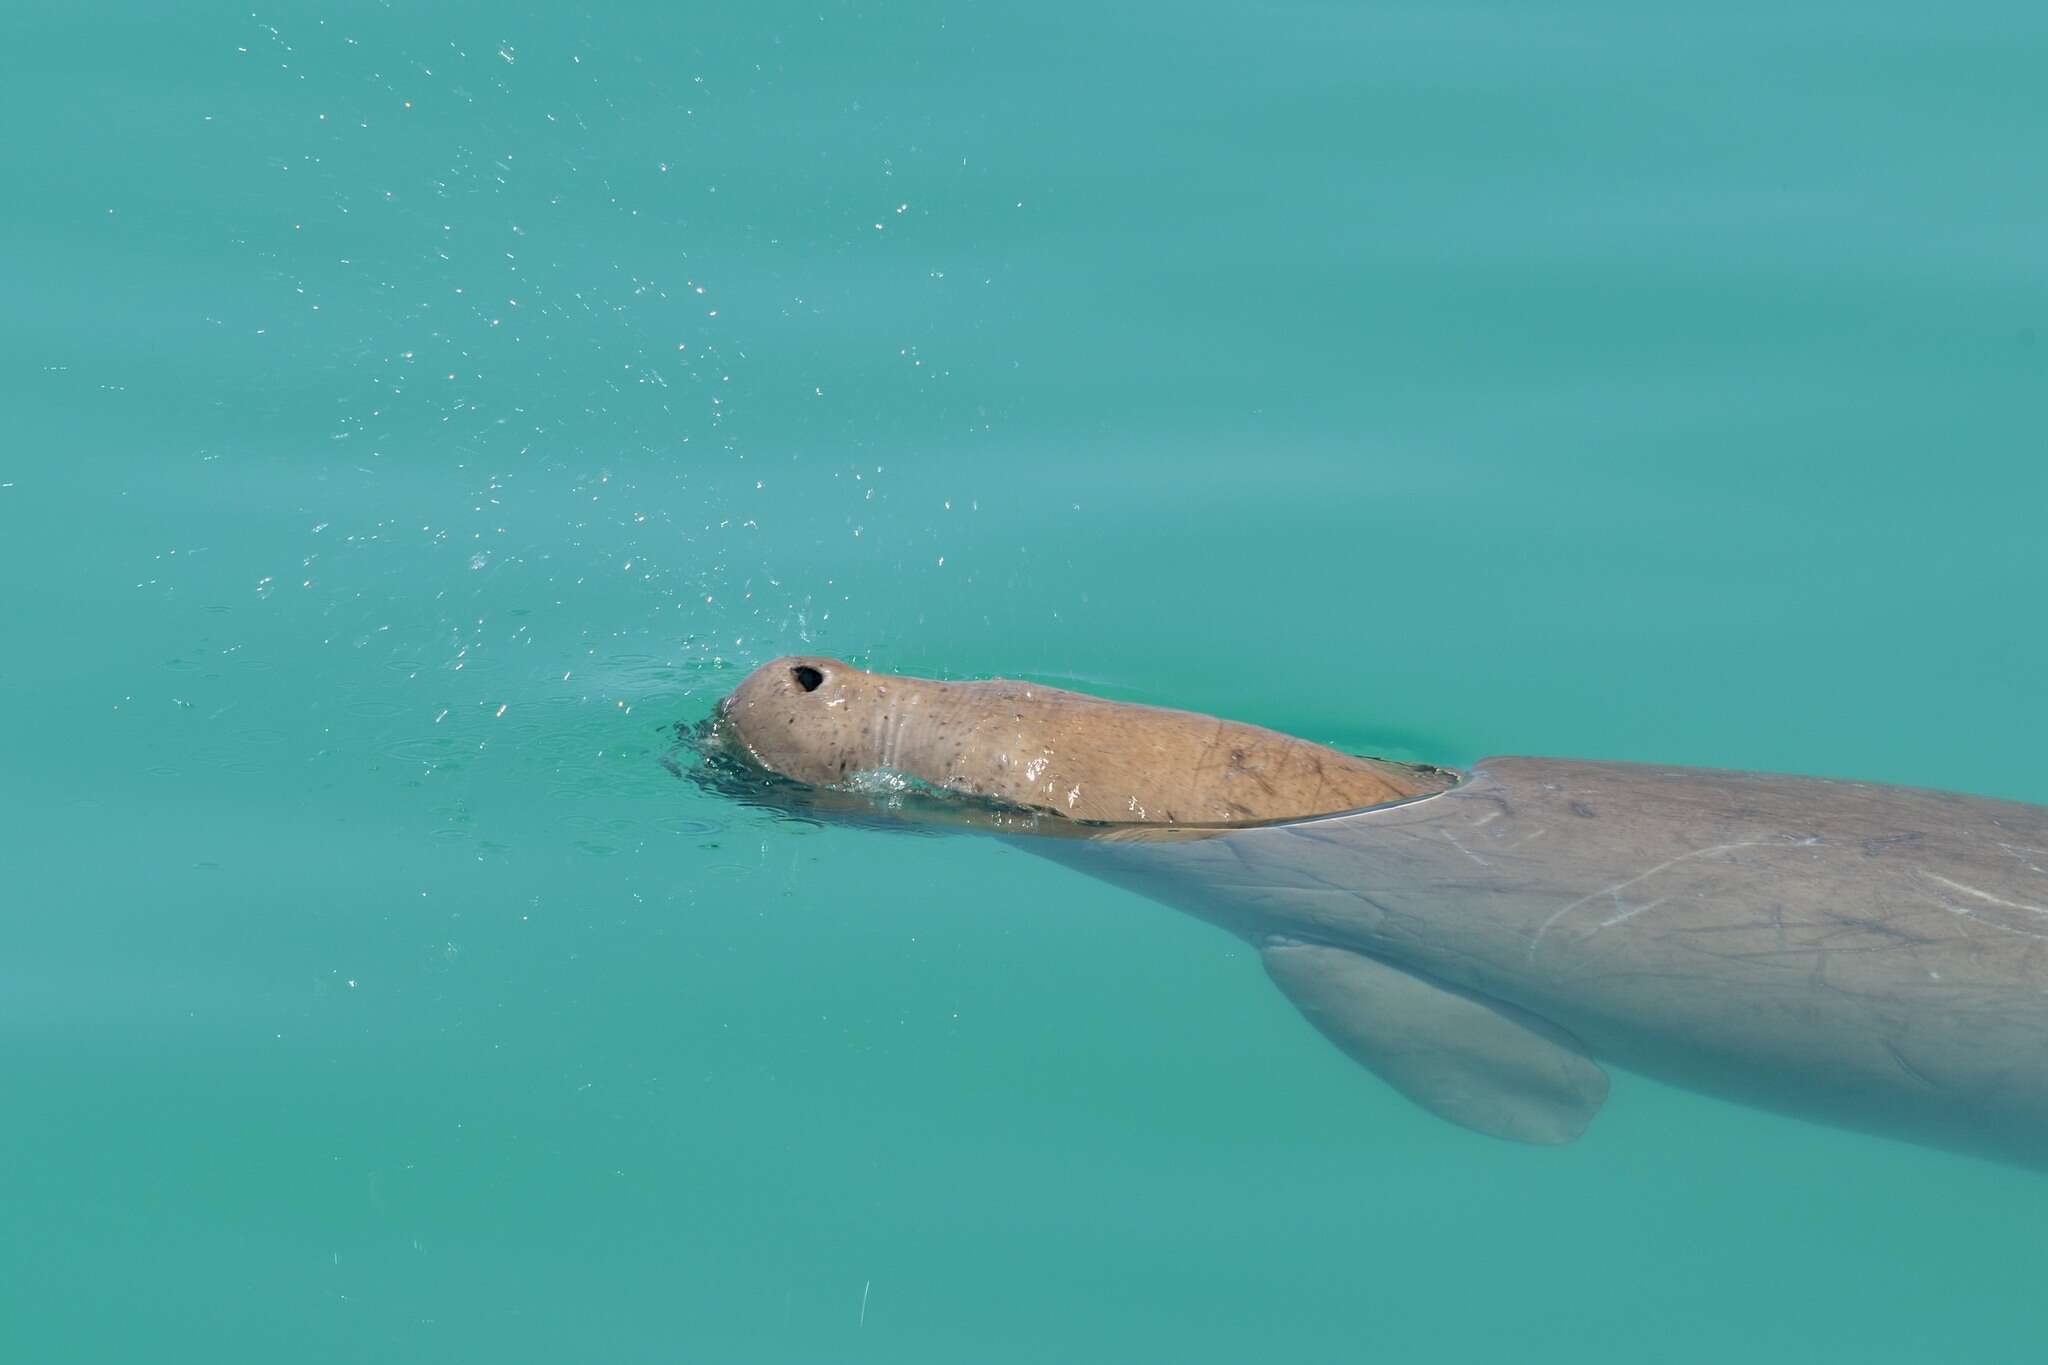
(808, 678)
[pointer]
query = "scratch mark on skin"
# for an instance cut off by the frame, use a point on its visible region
(1981, 895)
(1210, 756)
(892, 739)
(2021, 851)
(1915, 1072)
(1971, 915)
(1461, 848)
(1322, 781)
(1615, 890)
(1631, 914)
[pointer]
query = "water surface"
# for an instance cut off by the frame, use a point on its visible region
(415, 411)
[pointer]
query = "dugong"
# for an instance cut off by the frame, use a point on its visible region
(1487, 941)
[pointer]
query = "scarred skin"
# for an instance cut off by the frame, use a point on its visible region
(819, 722)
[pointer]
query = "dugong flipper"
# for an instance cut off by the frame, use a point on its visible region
(1482, 1064)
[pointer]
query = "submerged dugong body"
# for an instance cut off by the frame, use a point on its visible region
(1870, 956)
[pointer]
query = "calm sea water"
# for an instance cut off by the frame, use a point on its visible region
(412, 410)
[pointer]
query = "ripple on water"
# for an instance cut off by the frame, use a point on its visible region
(236, 761)
(447, 752)
(260, 734)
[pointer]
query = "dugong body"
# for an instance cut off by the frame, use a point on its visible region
(1870, 956)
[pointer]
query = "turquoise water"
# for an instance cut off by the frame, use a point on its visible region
(415, 410)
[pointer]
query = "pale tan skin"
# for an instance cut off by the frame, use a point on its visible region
(821, 722)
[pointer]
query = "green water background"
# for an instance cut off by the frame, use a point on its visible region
(412, 409)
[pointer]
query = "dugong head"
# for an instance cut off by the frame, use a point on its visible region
(1061, 756)
(814, 721)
